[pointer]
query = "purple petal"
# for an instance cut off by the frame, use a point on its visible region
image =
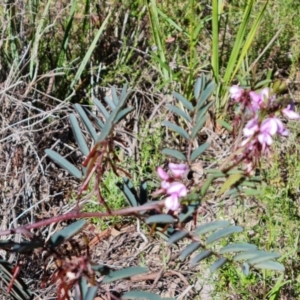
(177, 188)
(162, 173)
(236, 92)
(178, 169)
(172, 202)
(290, 113)
(251, 127)
(269, 126)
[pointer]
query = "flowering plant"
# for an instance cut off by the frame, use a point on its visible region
(261, 111)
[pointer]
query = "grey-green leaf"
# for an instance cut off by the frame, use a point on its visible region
(177, 129)
(200, 257)
(206, 93)
(270, 265)
(66, 233)
(110, 102)
(204, 228)
(114, 95)
(199, 150)
(238, 248)
(163, 218)
(189, 250)
(223, 233)
(252, 192)
(177, 236)
(174, 153)
(91, 293)
(197, 88)
(250, 255)
(101, 108)
(61, 161)
(245, 268)
(218, 264)
(87, 123)
(78, 135)
(184, 101)
(124, 273)
(198, 126)
(140, 295)
(129, 191)
(179, 112)
(262, 257)
(122, 114)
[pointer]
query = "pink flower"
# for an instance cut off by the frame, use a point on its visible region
(290, 113)
(162, 173)
(256, 101)
(177, 188)
(251, 127)
(272, 126)
(172, 202)
(236, 92)
(178, 169)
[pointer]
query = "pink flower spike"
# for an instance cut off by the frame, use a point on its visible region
(236, 92)
(172, 202)
(178, 169)
(290, 113)
(178, 189)
(162, 173)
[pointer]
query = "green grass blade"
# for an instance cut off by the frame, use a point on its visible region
(89, 52)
